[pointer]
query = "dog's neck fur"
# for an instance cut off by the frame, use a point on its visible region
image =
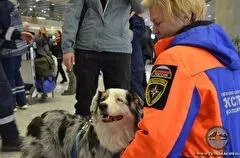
(114, 139)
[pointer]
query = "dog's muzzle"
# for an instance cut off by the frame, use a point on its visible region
(105, 116)
(109, 118)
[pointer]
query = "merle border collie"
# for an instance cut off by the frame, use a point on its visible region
(58, 134)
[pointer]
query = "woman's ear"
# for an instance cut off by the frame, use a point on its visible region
(182, 20)
(186, 19)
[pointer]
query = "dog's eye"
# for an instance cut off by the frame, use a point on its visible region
(119, 99)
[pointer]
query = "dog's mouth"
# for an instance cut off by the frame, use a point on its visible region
(109, 118)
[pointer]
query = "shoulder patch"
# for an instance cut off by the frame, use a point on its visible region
(159, 85)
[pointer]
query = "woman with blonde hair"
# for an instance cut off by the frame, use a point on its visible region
(42, 42)
(192, 98)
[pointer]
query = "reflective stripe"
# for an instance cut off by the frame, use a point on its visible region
(20, 87)
(7, 119)
(9, 33)
(18, 91)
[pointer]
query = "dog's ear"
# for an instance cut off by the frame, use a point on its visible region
(95, 101)
(34, 128)
(136, 104)
(136, 99)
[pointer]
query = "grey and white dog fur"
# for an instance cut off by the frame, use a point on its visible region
(115, 114)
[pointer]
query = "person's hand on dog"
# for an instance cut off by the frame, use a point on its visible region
(68, 60)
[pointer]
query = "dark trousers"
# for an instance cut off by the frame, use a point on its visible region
(8, 129)
(12, 66)
(60, 70)
(116, 68)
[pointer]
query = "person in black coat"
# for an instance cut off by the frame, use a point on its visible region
(8, 129)
(7, 33)
(58, 53)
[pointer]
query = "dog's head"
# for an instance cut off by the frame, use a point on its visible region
(115, 114)
(116, 105)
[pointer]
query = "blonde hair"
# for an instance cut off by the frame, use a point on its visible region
(195, 9)
(25, 24)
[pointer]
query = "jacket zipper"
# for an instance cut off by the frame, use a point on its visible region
(105, 7)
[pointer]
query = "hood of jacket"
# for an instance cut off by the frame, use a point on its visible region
(212, 38)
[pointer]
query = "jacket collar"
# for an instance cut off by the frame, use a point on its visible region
(162, 45)
(194, 24)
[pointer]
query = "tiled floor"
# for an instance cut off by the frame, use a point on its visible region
(23, 117)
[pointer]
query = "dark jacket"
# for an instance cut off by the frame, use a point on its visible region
(42, 44)
(147, 44)
(10, 27)
(137, 25)
(56, 49)
(6, 8)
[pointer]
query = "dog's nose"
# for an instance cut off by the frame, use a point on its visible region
(103, 106)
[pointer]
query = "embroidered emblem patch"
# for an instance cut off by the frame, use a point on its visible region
(159, 85)
(156, 88)
(217, 137)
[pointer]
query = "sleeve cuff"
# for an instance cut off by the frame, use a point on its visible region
(67, 50)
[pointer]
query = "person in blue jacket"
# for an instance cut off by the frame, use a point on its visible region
(8, 129)
(138, 28)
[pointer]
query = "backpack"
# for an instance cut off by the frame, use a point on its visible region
(44, 66)
(45, 84)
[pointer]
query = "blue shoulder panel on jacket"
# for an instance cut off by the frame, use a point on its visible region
(227, 86)
(192, 114)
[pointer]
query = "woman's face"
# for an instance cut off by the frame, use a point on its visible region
(163, 27)
(57, 35)
(42, 30)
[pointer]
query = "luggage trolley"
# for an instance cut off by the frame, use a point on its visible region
(34, 90)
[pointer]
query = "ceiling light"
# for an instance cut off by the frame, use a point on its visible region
(208, 5)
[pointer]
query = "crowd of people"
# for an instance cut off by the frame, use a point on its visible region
(196, 66)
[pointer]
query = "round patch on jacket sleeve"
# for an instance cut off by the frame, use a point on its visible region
(159, 85)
